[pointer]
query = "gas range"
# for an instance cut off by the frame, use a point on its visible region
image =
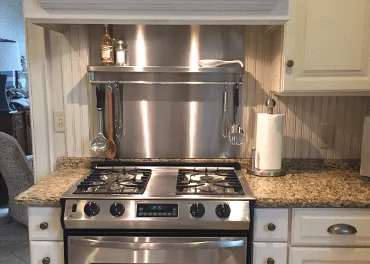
(148, 195)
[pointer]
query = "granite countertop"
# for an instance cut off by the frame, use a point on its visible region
(309, 183)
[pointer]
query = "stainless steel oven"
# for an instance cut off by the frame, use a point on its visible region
(156, 250)
(191, 213)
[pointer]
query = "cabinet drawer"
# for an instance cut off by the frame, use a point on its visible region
(271, 225)
(329, 255)
(310, 227)
(269, 253)
(18, 121)
(46, 250)
(44, 223)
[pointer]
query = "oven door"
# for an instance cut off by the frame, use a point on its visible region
(156, 250)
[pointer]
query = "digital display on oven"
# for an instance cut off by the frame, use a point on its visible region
(157, 210)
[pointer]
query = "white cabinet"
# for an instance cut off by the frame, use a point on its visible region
(329, 255)
(310, 227)
(269, 253)
(46, 235)
(46, 250)
(328, 41)
(271, 225)
(44, 223)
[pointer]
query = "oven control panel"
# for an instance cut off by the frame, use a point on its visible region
(157, 210)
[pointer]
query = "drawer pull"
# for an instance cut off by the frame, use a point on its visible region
(270, 261)
(44, 226)
(271, 227)
(342, 229)
(46, 260)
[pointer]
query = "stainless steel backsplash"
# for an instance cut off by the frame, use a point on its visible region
(174, 121)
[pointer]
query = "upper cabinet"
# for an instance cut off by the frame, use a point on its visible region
(164, 12)
(326, 48)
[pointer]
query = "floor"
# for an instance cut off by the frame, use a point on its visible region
(14, 247)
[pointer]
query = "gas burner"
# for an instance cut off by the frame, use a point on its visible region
(207, 188)
(115, 187)
(207, 178)
(126, 177)
(208, 181)
(114, 181)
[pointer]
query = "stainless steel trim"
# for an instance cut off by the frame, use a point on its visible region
(342, 229)
(239, 218)
(164, 69)
(156, 246)
(266, 173)
(163, 82)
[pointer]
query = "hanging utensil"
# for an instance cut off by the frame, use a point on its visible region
(118, 126)
(100, 142)
(236, 133)
(112, 149)
(225, 121)
(216, 63)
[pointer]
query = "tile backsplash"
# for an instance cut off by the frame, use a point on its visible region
(304, 115)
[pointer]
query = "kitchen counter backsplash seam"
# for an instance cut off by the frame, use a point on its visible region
(290, 165)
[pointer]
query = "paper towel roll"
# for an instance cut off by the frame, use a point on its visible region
(269, 143)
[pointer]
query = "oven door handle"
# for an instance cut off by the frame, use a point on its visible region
(85, 242)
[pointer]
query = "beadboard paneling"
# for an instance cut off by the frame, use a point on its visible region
(303, 115)
(76, 91)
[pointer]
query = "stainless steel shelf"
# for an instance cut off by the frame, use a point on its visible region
(164, 69)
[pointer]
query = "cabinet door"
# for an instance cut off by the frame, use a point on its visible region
(43, 251)
(329, 255)
(271, 225)
(269, 253)
(328, 41)
(44, 223)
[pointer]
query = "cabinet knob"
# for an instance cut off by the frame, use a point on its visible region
(270, 261)
(290, 63)
(46, 260)
(271, 227)
(44, 225)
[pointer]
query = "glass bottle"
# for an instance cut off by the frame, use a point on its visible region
(107, 48)
(121, 53)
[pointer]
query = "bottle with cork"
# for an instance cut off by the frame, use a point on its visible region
(107, 48)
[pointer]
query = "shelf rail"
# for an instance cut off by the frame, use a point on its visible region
(159, 69)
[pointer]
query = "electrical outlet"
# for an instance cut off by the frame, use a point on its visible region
(326, 137)
(59, 122)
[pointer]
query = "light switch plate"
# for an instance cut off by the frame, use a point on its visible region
(59, 122)
(326, 137)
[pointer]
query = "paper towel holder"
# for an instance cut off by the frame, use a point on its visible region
(263, 173)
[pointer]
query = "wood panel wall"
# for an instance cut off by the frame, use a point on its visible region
(304, 115)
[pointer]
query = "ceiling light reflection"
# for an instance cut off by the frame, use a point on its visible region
(192, 126)
(144, 117)
(140, 49)
(194, 49)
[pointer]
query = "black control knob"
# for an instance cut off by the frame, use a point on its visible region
(270, 261)
(197, 210)
(91, 209)
(223, 210)
(117, 209)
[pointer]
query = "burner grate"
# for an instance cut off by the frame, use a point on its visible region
(113, 181)
(208, 182)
